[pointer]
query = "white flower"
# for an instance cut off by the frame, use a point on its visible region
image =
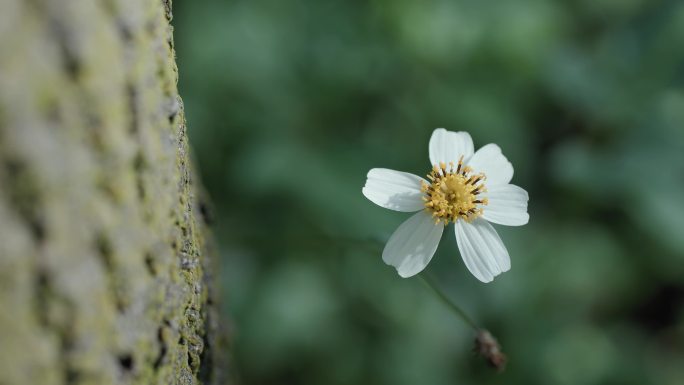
(466, 188)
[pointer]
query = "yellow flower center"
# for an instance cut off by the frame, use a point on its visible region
(454, 193)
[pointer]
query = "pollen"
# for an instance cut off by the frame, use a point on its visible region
(454, 193)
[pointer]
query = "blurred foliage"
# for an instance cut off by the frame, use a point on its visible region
(290, 103)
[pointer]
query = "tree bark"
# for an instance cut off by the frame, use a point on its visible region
(103, 252)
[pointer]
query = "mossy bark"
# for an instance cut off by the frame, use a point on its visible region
(103, 259)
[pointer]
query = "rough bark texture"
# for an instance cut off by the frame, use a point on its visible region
(103, 263)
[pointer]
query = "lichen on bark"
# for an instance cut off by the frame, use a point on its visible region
(104, 257)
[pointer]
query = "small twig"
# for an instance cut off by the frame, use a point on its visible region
(485, 344)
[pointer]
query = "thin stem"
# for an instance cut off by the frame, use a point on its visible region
(440, 294)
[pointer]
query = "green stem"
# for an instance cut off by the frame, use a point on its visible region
(459, 312)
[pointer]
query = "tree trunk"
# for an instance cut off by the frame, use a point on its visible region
(103, 252)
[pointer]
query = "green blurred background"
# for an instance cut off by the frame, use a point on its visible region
(290, 103)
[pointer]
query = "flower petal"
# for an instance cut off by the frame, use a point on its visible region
(481, 249)
(448, 146)
(413, 244)
(507, 205)
(394, 190)
(493, 164)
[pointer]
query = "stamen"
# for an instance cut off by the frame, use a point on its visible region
(453, 192)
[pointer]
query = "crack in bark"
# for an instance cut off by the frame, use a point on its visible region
(24, 195)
